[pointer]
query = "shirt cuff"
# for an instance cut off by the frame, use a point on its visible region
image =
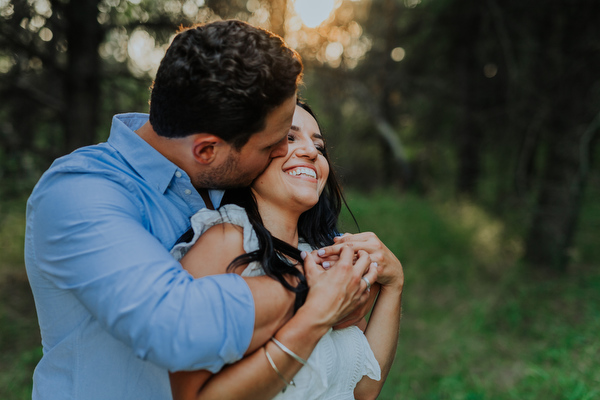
(239, 316)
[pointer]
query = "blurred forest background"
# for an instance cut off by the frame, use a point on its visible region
(465, 133)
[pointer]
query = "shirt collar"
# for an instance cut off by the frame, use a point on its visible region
(151, 165)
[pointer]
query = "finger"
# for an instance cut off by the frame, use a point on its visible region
(337, 238)
(310, 266)
(366, 241)
(357, 237)
(320, 260)
(329, 261)
(346, 255)
(316, 257)
(363, 300)
(371, 275)
(332, 250)
(363, 263)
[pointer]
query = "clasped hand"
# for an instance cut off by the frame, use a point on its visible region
(390, 275)
(389, 269)
(338, 292)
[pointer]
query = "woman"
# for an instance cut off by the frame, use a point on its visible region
(293, 204)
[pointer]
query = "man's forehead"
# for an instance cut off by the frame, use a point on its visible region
(277, 124)
(267, 137)
(270, 139)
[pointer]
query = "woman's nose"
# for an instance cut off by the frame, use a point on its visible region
(308, 149)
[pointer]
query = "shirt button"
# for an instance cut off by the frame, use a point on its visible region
(178, 174)
(188, 191)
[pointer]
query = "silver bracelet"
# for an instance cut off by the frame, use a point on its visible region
(288, 351)
(290, 383)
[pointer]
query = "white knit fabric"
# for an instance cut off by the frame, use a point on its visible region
(340, 359)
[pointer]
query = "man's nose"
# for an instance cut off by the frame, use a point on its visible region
(280, 150)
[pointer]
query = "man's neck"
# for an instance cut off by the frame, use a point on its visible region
(170, 148)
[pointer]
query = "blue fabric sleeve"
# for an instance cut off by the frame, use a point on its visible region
(94, 242)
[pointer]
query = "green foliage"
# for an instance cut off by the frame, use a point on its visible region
(12, 235)
(482, 103)
(476, 325)
(587, 251)
(19, 333)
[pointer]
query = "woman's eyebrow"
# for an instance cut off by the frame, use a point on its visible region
(315, 135)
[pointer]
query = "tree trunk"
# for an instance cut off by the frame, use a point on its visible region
(469, 136)
(82, 80)
(575, 103)
(396, 170)
(558, 205)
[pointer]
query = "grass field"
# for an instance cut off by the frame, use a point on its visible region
(476, 323)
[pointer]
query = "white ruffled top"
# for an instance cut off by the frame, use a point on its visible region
(340, 359)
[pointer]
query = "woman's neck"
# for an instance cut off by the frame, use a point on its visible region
(281, 222)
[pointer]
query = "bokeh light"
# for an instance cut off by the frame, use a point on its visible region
(314, 12)
(45, 34)
(490, 70)
(398, 54)
(144, 54)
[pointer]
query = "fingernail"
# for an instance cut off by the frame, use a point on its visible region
(303, 255)
(321, 252)
(375, 264)
(326, 265)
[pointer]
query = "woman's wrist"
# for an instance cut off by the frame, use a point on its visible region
(302, 332)
(312, 321)
(392, 290)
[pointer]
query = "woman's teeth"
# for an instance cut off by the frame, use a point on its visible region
(303, 171)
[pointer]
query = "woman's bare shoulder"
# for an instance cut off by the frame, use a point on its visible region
(215, 250)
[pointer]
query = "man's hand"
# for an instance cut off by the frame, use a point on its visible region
(337, 292)
(389, 268)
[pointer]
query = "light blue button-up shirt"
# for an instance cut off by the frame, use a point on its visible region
(116, 311)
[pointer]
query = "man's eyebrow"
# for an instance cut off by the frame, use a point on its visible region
(295, 128)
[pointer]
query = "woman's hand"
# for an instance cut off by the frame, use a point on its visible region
(358, 316)
(338, 292)
(389, 269)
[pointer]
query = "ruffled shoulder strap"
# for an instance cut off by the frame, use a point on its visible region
(205, 219)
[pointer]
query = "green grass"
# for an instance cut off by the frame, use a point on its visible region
(476, 323)
(20, 347)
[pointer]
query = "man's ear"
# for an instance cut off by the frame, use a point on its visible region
(206, 148)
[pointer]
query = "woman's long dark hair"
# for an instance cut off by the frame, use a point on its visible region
(317, 227)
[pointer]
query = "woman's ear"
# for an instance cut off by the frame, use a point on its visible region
(205, 148)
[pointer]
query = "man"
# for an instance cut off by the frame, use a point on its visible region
(116, 311)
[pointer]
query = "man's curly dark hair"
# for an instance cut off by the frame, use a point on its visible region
(222, 78)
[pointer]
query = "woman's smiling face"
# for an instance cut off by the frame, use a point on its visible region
(297, 179)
